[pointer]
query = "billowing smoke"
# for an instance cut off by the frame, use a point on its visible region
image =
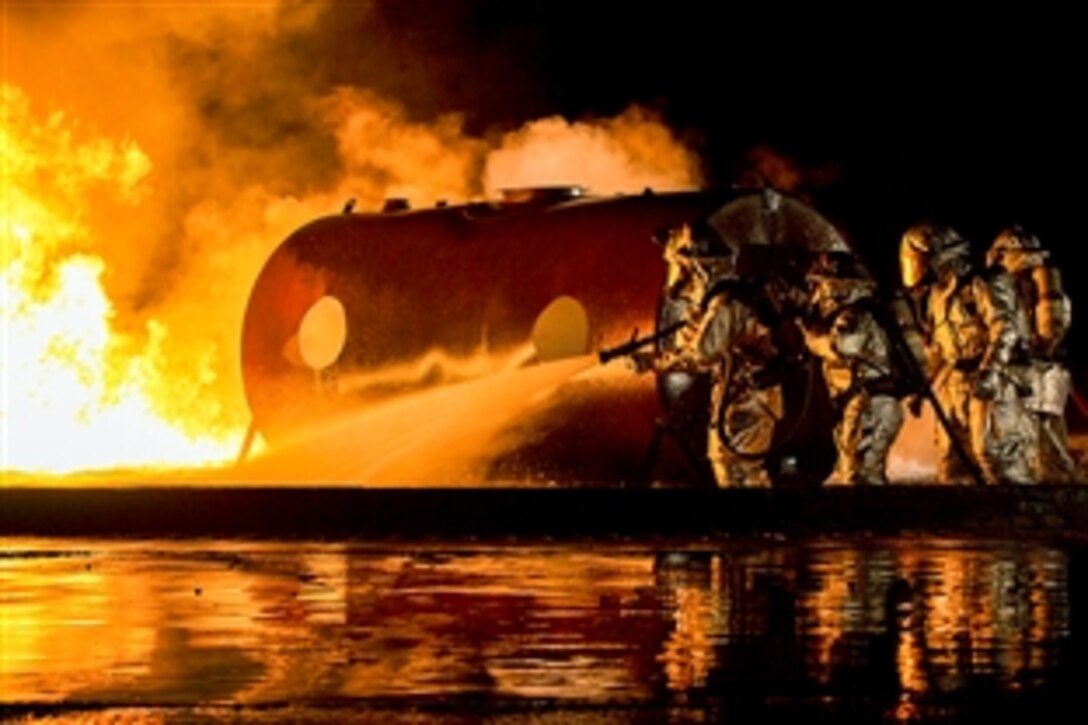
(229, 126)
(607, 155)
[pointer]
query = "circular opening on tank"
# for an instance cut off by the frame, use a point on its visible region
(561, 330)
(322, 333)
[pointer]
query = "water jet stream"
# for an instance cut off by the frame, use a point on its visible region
(440, 436)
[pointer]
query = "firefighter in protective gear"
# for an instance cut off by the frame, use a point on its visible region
(686, 284)
(730, 341)
(683, 294)
(842, 329)
(915, 252)
(977, 344)
(1049, 313)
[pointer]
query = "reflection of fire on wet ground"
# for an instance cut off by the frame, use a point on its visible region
(279, 630)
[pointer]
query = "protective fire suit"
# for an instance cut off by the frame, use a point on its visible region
(685, 287)
(978, 337)
(737, 348)
(1049, 312)
(842, 329)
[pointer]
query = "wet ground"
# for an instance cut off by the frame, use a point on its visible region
(769, 629)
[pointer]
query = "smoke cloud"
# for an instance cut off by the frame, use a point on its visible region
(607, 155)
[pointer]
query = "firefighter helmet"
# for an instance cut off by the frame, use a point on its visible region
(838, 278)
(1016, 249)
(716, 259)
(926, 248)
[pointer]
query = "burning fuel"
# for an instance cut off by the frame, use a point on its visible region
(78, 391)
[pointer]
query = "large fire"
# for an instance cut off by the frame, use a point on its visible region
(125, 277)
(78, 392)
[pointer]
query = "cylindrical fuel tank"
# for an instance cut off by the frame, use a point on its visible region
(356, 308)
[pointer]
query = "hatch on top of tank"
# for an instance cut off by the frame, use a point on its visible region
(542, 194)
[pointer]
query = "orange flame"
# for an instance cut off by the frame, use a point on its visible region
(78, 393)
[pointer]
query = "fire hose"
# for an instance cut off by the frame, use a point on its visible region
(783, 440)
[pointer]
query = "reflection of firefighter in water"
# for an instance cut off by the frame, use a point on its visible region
(733, 620)
(728, 338)
(1049, 313)
(978, 336)
(842, 329)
